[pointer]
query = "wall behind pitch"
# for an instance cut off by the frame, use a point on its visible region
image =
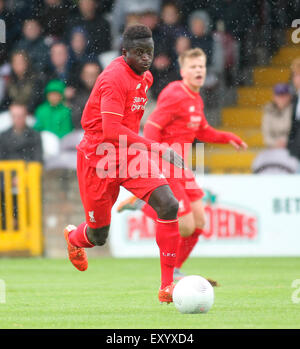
(246, 215)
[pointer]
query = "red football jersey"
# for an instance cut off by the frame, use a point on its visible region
(178, 114)
(120, 91)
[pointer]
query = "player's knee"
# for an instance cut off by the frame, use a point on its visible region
(98, 236)
(168, 209)
(163, 201)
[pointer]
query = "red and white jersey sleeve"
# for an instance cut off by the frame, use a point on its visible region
(113, 97)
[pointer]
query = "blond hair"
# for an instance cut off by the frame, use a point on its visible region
(192, 53)
(295, 66)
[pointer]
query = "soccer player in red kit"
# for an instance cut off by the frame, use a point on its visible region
(113, 111)
(179, 119)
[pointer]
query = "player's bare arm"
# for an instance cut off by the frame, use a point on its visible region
(210, 135)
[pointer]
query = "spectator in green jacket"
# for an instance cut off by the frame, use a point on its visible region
(53, 115)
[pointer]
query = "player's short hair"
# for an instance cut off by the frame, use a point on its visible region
(295, 66)
(135, 32)
(194, 52)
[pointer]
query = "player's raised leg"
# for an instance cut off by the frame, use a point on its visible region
(83, 237)
(97, 197)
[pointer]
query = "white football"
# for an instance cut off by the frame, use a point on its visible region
(193, 294)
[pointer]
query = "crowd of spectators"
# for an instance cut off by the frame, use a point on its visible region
(281, 128)
(55, 50)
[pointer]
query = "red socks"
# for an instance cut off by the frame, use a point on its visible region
(185, 247)
(79, 238)
(167, 233)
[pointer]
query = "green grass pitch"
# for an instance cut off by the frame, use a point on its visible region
(122, 293)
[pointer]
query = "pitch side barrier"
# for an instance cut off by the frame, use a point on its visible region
(20, 208)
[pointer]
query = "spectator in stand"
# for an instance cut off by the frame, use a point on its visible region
(20, 142)
(189, 6)
(53, 115)
(78, 54)
(294, 136)
(126, 10)
(54, 18)
(277, 115)
(201, 36)
(23, 86)
(151, 20)
(170, 27)
(182, 43)
(275, 127)
(199, 24)
(78, 46)
(230, 51)
(89, 17)
(33, 43)
(88, 76)
(59, 66)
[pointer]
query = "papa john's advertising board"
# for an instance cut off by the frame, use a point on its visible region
(246, 215)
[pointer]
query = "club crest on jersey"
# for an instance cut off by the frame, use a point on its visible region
(194, 121)
(138, 86)
(181, 206)
(92, 218)
(192, 108)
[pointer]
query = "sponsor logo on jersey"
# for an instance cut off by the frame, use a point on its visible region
(139, 103)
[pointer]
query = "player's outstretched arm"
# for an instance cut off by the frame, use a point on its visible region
(209, 134)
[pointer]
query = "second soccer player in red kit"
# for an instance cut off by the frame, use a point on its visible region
(179, 119)
(114, 109)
